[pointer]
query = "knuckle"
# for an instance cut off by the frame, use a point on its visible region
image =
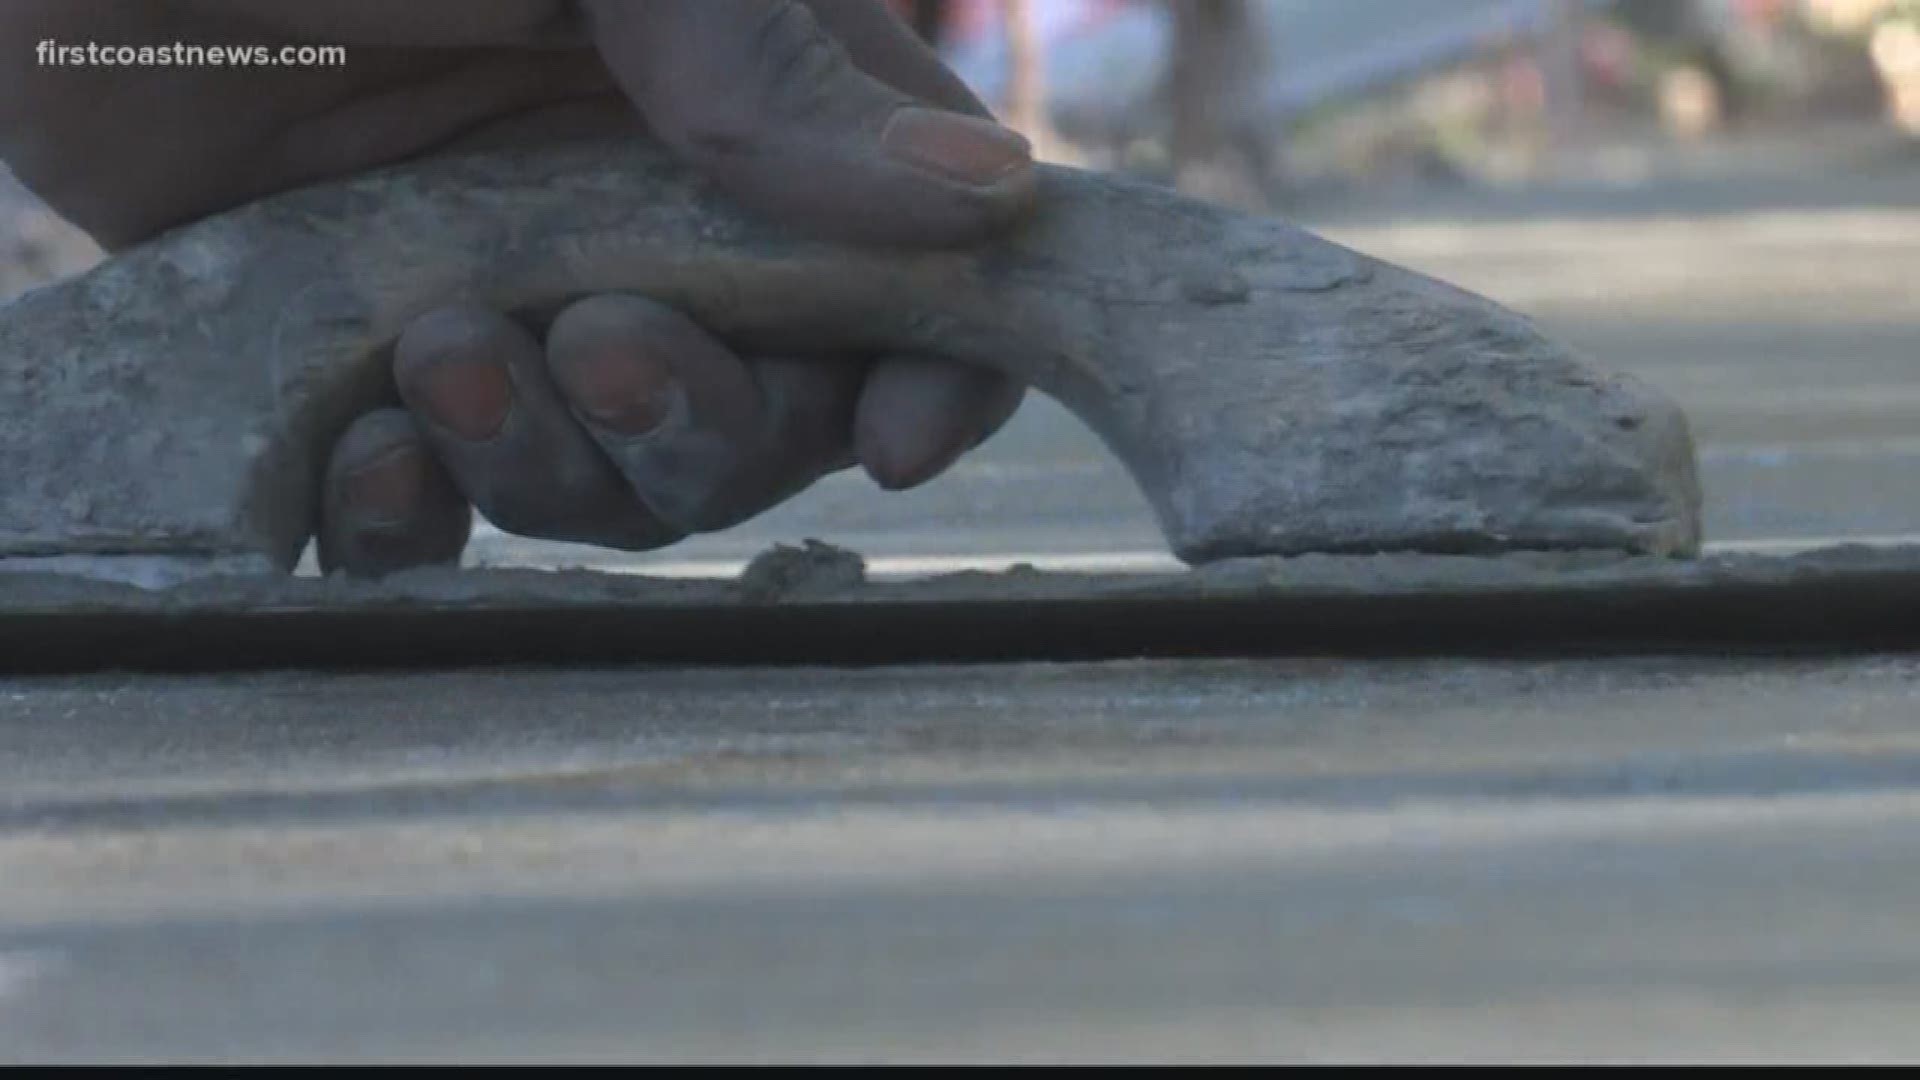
(798, 60)
(792, 65)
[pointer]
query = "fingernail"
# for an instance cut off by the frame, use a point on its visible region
(962, 148)
(470, 398)
(626, 394)
(388, 489)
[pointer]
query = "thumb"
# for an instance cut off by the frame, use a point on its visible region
(762, 98)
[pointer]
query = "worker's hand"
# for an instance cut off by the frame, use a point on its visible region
(621, 423)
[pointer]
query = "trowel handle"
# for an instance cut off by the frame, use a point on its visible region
(1270, 391)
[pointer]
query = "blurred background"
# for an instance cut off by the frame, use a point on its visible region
(1720, 195)
(1263, 102)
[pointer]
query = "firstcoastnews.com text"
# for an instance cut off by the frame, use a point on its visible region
(179, 54)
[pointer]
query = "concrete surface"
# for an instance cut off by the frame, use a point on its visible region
(1306, 860)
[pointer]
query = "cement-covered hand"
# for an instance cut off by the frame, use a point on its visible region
(621, 423)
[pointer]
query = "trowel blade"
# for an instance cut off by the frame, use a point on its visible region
(815, 607)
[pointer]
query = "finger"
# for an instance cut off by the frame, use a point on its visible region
(806, 432)
(478, 381)
(917, 416)
(757, 94)
(809, 407)
(704, 439)
(386, 505)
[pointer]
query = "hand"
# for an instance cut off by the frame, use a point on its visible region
(621, 423)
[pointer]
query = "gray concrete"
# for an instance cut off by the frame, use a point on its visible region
(1299, 860)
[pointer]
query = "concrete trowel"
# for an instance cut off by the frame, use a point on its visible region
(1343, 450)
